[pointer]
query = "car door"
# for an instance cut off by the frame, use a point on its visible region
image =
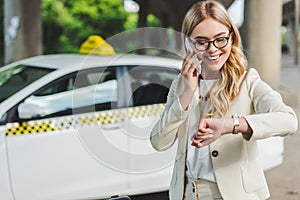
(63, 141)
(150, 86)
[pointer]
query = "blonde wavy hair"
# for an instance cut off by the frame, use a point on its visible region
(227, 88)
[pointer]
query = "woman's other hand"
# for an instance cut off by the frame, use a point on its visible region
(210, 129)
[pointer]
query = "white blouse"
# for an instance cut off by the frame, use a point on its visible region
(198, 162)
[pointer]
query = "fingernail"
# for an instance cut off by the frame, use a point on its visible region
(211, 136)
(210, 131)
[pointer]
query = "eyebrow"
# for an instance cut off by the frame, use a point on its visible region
(202, 37)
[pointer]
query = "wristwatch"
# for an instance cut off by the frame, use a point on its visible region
(236, 123)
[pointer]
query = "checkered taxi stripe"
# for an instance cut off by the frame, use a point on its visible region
(88, 119)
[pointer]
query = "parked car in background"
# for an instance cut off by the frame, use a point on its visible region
(77, 127)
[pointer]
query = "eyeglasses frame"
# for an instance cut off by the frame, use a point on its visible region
(211, 41)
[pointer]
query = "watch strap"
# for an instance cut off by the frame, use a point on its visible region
(236, 123)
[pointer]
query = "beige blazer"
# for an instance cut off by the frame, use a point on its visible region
(235, 160)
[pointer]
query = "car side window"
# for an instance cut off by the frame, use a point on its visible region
(84, 91)
(62, 85)
(150, 84)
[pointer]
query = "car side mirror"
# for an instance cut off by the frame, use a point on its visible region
(28, 110)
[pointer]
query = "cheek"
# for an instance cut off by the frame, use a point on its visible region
(226, 53)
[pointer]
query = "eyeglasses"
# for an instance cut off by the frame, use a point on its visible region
(203, 45)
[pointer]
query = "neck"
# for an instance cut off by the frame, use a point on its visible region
(206, 74)
(210, 76)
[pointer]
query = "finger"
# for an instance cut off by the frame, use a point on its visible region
(196, 143)
(205, 142)
(198, 66)
(202, 125)
(185, 66)
(204, 131)
(200, 144)
(203, 137)
(188, 70)
(187, 63)
(193, 60)
(189, 56)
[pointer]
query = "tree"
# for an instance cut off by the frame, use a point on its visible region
(22, 29)
(1, 34)
(67, 23)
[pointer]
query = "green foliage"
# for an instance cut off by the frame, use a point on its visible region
(67, 23)
(1, 33)
(152, 20)
(131, 21)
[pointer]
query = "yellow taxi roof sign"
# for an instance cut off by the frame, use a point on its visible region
(95, 44)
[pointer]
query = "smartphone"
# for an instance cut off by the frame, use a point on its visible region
(190, 49)
(188, 45)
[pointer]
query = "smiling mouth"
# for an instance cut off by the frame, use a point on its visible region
(213, 58)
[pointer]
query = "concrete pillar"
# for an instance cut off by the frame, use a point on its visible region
(263, 22)
(290, 27)
(296, 30)
(22, 29)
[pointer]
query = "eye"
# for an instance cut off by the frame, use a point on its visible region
(221, 39)
(201, 42)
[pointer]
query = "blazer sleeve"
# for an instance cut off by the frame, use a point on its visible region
(272, 117)
(164, 133)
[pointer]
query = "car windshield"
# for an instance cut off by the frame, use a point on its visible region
(16, 78)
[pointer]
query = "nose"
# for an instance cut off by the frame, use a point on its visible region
(211, 47)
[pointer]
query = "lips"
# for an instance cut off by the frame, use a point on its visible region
(213, 58)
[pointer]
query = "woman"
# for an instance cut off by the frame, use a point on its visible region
(218, 113)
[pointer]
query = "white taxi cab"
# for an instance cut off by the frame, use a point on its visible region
(77, 127)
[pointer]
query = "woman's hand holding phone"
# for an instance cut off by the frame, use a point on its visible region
(191, 67)
(191, 50)
(190, 74)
